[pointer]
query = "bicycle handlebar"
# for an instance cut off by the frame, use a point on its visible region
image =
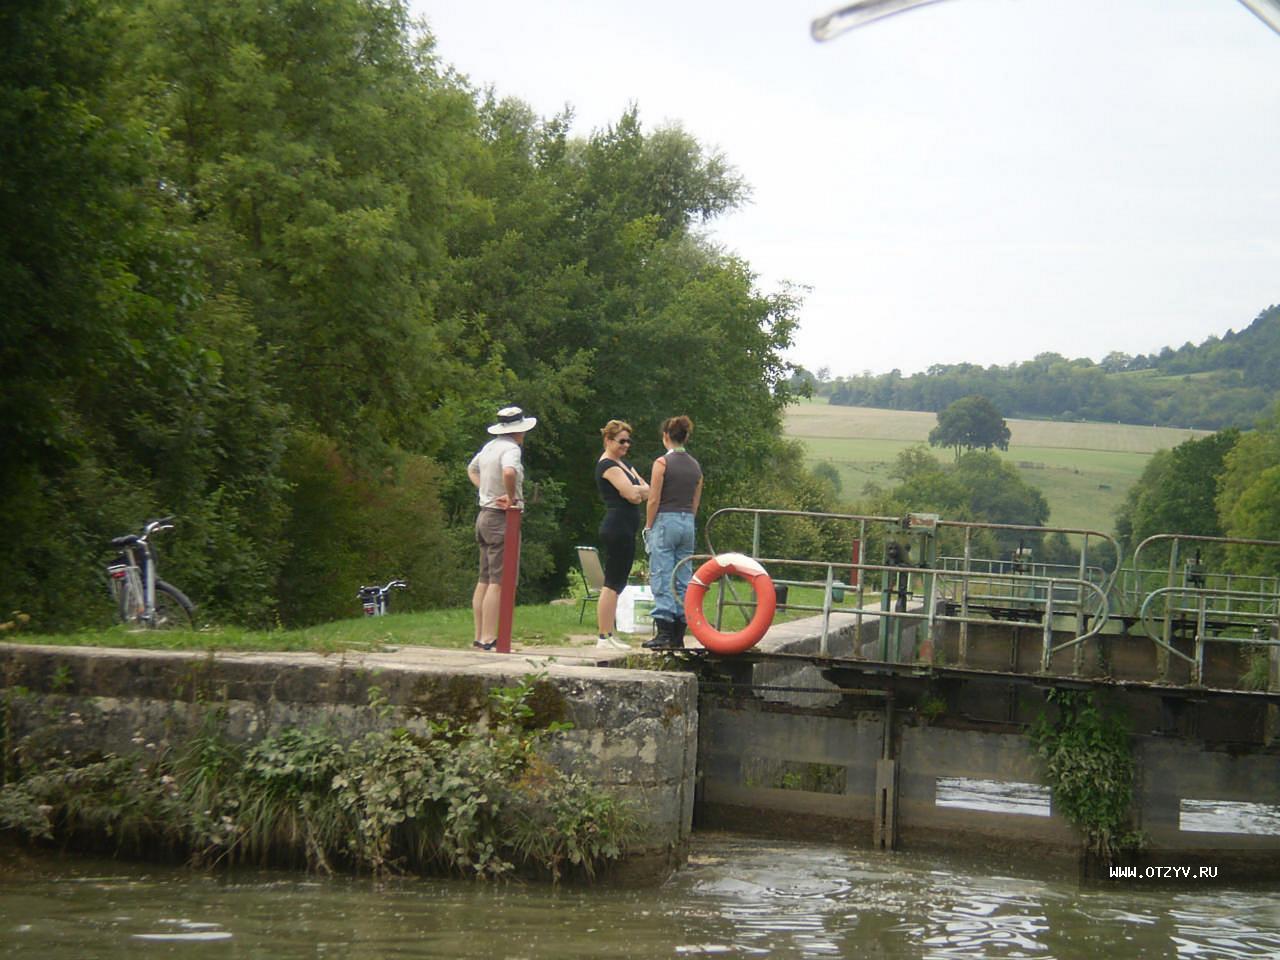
(150, 527)
(386, 588)
(155, 526)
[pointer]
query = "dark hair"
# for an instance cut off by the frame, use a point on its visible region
(678, 428)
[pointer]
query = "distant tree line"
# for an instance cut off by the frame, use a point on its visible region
(273, 267)
(1223, 382)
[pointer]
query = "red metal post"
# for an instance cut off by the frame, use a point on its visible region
(510, 574)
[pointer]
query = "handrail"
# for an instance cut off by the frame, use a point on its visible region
(1176, 539)
(1202, 611)
(1217, 601)
(1099, 614)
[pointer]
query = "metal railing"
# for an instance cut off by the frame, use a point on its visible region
(1199, 613)
(1221, 605)
(1076, 599)
(1047, 596)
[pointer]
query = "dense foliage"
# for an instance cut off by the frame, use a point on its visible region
(1088, 763)
(1223, 382)
(1175, 493)
(1224, 485)
(479, 801)
(980, 487)
(273, 267)
(970, 423)
(1248, 495)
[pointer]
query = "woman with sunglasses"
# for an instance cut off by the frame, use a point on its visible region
(621, 489)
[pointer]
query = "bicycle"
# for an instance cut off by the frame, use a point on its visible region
(142, 598)
(375, 599)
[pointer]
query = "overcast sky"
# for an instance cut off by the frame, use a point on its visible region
(974, 180)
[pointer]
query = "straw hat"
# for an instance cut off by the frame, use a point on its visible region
(513, 420)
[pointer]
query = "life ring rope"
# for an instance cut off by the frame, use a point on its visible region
(740, 565)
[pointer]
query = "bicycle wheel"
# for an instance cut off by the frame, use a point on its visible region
(173, 610)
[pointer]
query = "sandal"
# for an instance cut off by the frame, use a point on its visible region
(484, 646)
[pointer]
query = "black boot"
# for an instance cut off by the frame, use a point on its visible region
(664, 634)
(677, 634)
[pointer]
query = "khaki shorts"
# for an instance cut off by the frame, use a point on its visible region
(491, 535)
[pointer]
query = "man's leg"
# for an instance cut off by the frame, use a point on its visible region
(477, 609)
(491, 604)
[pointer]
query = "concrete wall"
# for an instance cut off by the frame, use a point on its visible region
(1121, 656)
(799, 757)
(813, 772)
(634, 731)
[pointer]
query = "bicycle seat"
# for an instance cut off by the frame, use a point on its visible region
(125, 541)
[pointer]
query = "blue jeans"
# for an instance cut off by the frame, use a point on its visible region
(670, 542)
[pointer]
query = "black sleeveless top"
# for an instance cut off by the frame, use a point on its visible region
(620, 510)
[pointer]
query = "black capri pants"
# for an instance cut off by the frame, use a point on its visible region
(618, 545)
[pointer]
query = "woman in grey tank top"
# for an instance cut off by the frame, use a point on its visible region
(675, 489)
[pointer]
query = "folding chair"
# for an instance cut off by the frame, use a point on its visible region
(592, 576)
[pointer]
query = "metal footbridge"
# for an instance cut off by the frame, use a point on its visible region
(921, 593)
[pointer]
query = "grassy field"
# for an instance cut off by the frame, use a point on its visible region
(1084, 469)
(534, 625)
(550, 625)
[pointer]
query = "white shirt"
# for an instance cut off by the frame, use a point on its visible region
(494, 457)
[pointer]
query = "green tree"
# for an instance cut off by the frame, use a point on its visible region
(129, 391)
(970, 423)
(1177, 490)
(273, 269)
(1247, 500)
(591, 275)
(979, 487)
(328, 173)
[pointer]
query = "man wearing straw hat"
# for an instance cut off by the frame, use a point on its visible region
(498, 476)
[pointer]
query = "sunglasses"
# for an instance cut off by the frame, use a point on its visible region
(625, 441)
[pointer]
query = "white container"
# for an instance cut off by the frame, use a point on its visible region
(635, 609)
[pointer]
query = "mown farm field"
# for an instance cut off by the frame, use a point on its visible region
(1084, 469)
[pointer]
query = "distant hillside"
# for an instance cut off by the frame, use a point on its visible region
(1225, 381)
(1084, 470)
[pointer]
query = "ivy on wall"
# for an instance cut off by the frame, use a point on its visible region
(1088, 763)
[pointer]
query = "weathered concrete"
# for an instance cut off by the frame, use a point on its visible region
(849, 634)
(808, 763)
(814, 761)
(634, 731)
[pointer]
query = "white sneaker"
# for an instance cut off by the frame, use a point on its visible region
(611, 643)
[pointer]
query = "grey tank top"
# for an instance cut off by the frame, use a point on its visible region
(679, 483)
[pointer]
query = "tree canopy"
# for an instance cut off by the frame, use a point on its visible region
(980, 486)
(971, 423)
(1176, 491)
(273, 269)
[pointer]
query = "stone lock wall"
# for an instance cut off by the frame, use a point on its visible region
(633, 732)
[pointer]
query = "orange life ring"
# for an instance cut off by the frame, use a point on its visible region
(766, 602)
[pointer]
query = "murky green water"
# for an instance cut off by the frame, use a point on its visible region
(739, 897)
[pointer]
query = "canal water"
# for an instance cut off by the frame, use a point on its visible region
(738, 897)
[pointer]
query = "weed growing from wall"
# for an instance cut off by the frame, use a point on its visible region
(1088, 763)
(473, 799)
